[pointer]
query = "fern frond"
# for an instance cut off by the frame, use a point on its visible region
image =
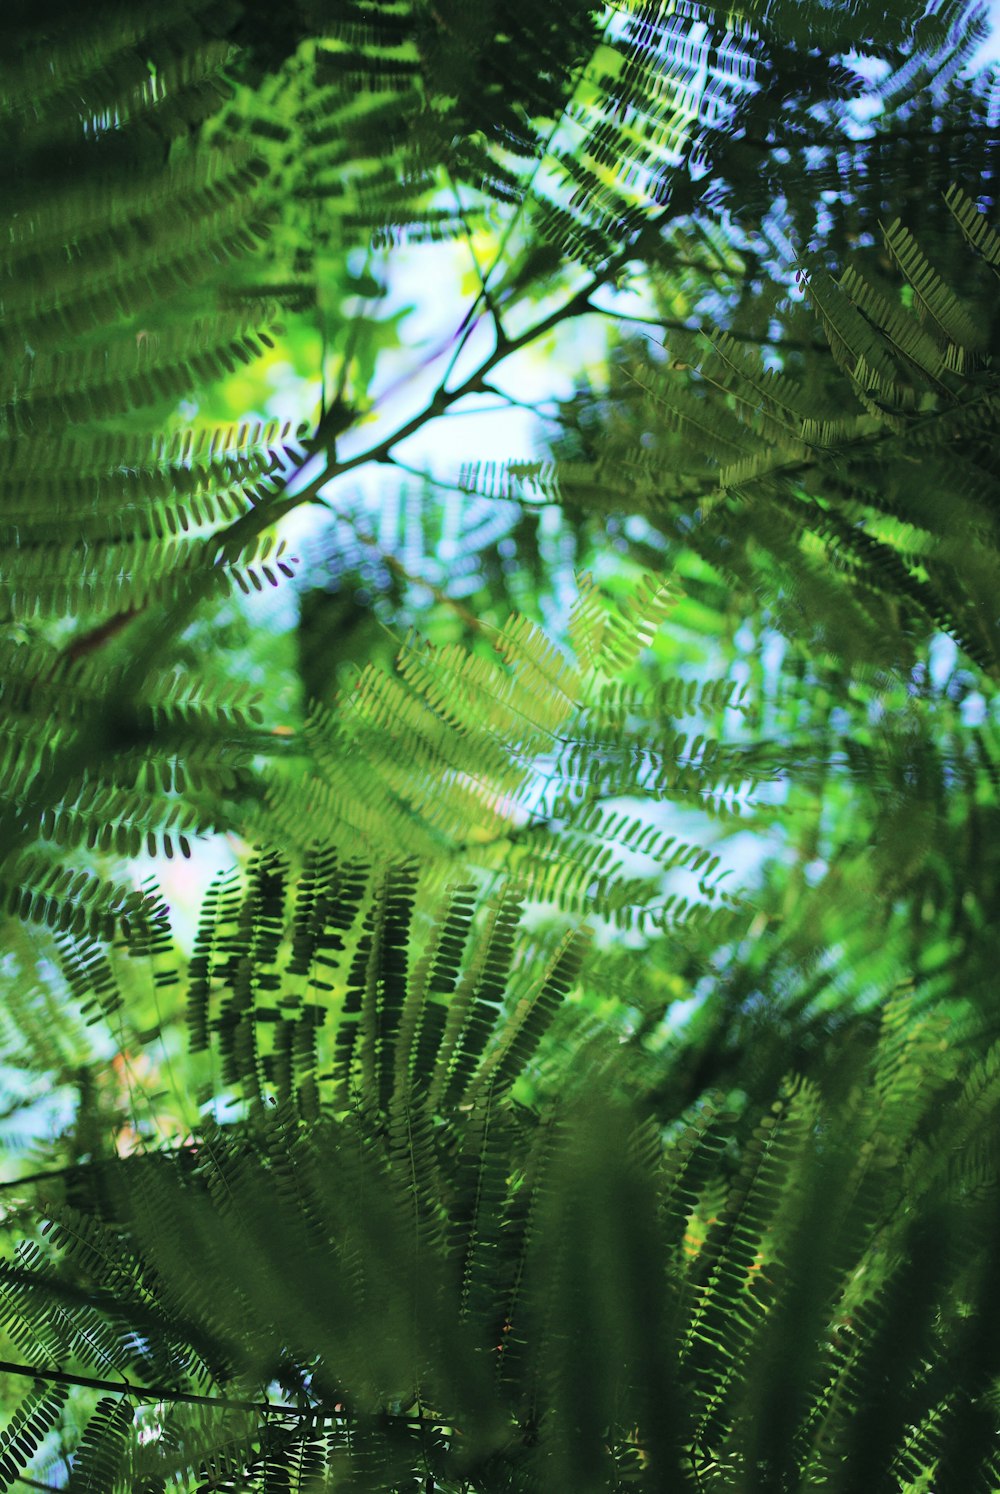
(936, 302)
(972, 222)
(30, 1424)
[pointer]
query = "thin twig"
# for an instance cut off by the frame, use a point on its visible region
(667, 325)
(483, 276)
(878, 137)
(29, 1179)
(94, 638)
(156, 1393)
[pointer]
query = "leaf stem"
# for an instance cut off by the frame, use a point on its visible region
(148, 1392)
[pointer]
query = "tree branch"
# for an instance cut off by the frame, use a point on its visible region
(18, 824)
(85, 643)
(233, 540)
(877, 137)
(667, 325)
(31, 1178)
(148, 1392)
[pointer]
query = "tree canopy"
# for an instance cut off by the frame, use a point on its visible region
(581, 1069)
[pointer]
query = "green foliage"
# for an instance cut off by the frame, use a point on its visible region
(468, 1235)
(486, 1137)
(839, 487)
